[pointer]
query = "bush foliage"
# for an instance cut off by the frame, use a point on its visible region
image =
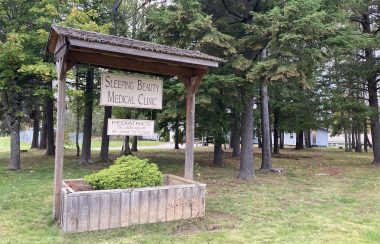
(126, 172)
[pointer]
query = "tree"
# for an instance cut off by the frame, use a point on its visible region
(266, 163)
(366, 14)
(87, 122)
(11, 88)
(105, 138)
(246, 171)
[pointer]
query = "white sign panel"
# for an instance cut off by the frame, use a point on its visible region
(130, 127)
(130, 91)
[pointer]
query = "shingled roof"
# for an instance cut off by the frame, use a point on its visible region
(95, 37)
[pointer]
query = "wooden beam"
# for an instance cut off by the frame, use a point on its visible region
(59, 150)
(143, 53)
(191, 85)
(126, 63)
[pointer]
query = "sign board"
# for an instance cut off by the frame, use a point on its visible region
(130, 127)
(130, 91)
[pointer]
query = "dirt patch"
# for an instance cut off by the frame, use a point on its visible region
(290, 156)
(192, 229)
(79, 185)
(332, 172)
(222, 216)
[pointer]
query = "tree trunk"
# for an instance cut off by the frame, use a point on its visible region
(246, 160)
(87, 123)
(43, 137)
(9, 104)
(349, 141)
(282, 140)
(353, 144)
(105, 138)
(259, 141)
(218, 160)
(266, 162)
(307, 138)
(36, 127)
(235, 131)
(365, 136)
(300, 143)
(134, 144)
(77, 117)
(176, 133)
(15, 162)
(49, 117)
(345, 141)
(276, 131)
(358, 142)
(372, 93)
(126, 150)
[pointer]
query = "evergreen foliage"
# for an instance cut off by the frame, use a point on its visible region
(126, 172)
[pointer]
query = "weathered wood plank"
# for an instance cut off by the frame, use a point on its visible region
(153, 206)
(84, 213)
(115, 210)
(179, 203)
(105, 211)
(59, 139)
(135, 207)
(125, 209)
(187, 198)
(195, 203)
(170, 204)
(144, 207)
(161, 216)
(168, 58)
(64, 208)
(202, 201)
(94, 212)
(72, 214)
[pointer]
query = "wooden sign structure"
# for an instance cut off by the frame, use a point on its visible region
(71, 46)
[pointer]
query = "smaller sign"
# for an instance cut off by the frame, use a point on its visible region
(130, 127)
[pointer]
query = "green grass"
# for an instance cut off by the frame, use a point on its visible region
(325, 196)
(95, 144)
(5, 144)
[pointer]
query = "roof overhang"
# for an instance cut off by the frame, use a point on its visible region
(76, 51)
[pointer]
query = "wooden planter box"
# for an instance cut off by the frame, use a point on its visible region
(177, 199)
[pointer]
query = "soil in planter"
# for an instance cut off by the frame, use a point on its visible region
(79, 185)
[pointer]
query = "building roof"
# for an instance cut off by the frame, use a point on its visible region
(95, 37)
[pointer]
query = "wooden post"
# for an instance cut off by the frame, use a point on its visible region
(58, 169)
(191, 85)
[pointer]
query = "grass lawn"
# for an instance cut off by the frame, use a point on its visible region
(326, 195)
(5, 144)
(95, 144)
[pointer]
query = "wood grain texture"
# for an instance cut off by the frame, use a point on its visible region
(125, 209)
(83, 213)
(135, 207)
(170, 204)
(144, 207)
(153, 206)
(105, 211)
(115, 210)
(72, 211)
(94, 212)
(161, 215)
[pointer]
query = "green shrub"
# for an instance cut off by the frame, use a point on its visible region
(126, 172)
